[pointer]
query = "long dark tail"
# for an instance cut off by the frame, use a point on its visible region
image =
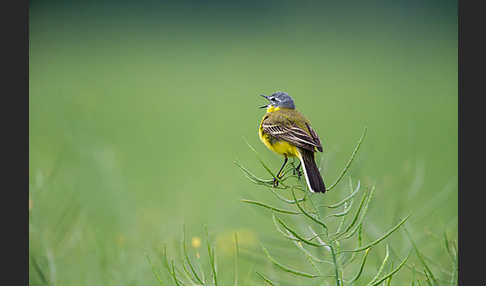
(311, 172)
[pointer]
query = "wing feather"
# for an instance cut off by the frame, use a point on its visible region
(294, 134)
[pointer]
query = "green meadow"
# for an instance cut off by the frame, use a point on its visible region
(137, 115)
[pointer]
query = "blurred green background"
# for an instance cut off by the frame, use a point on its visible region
(138, 110)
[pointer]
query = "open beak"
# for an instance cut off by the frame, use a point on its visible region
(266, 97)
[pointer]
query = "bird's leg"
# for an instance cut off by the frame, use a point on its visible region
(275, 182)
(297, 170)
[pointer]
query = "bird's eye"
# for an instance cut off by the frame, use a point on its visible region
(273, 99)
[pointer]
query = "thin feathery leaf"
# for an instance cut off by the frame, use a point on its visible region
(286, 268)
(253, 177)
(267, 280)
(347, 198)
(343, 213)
(263, 164)
(285, 200)
(270, 207)
(388, 233)
(308, 254)
(360, 243)
(306, 213)
(360, 271)
(354, 219)
(318, 238)
(275, 222)
(362, 215)
(382, 266)
(392, 272)
(350, 161)
(428, 272)
(294, 233)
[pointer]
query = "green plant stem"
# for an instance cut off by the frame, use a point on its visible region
(336, 269)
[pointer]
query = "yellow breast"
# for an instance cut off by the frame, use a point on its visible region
(277, 146)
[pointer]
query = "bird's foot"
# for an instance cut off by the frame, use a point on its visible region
(297, 172)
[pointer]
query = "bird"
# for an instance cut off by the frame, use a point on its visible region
(285, 131)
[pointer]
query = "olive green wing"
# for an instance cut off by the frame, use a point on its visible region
(289, 131)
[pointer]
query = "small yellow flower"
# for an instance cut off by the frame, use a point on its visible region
(196, 242)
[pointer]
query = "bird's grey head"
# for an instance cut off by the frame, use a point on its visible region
(279, 99)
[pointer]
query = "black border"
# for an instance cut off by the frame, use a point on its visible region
(14, 20)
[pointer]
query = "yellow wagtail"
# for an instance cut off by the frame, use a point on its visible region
(287, 132)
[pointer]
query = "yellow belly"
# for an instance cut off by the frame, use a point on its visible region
(279, 147)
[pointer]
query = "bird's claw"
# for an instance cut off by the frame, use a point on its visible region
(297, 172)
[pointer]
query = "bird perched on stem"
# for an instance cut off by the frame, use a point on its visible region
(287, 132)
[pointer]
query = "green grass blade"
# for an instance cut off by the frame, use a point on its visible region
(174, 276)
(382, 266)
(421, 259)
(455, 269)
(286, 268)
(39, 270)
(388, 233)
(188, 260)
(211, 257)
(427, 277)
(388, 282)
(447, 247)
(270, 207)
(157, 276)
(165, 258)
(392, 272)
(350, 161)
(453, 257)
(267, 280)
(360, 271)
